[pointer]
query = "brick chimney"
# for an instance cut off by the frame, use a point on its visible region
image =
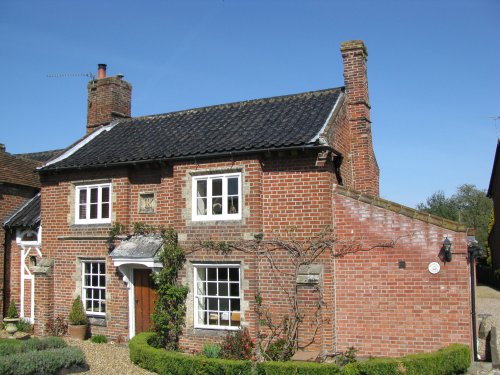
(108, 98)
(365, 171)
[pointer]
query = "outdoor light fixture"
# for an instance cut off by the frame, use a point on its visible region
(447, 249)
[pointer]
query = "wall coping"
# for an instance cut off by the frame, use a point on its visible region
(400, 209)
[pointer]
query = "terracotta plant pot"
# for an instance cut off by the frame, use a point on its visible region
(77, 332)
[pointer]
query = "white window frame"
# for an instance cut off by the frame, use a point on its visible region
(99, 219)
(92, 287)
(209, 216)
(197, 323)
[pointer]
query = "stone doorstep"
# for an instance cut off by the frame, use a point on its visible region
(305, 356)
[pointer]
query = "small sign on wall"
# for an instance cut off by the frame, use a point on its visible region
(434, 267)
(309, 274)
(147, 203)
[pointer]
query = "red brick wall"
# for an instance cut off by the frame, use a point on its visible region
(363, 299)
(384, 310)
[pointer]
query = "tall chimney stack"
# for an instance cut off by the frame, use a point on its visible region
(362, 157)
(108, 98)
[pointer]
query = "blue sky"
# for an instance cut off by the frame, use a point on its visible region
(433, 69)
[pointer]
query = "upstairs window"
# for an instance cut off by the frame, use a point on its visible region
(93, 204)
(217, 197)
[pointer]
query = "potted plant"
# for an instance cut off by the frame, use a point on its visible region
(11, 319)
(77, 327)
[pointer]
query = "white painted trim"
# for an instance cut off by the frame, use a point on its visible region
(224, 216)
(26, 248)
(83, 291)
(80, 144)
(146, 262)
(87, 188)
(317, 136)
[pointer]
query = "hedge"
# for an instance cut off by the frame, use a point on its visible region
(298, 368)
(9, 347)
(41, 362)
(174, 363)
(454, 359)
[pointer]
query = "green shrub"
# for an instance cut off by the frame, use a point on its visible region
(296, 368)
(237, 345)
(12, 310)
(24, 326)
(41, 362)
(278, 351)
(9, 347)
(211, 350)
(99, 339)
(77, 314)
(169, 363)
(454, 359)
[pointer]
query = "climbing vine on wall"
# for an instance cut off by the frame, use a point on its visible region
(170, 308)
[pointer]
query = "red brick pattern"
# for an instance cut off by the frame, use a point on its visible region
(384, 310)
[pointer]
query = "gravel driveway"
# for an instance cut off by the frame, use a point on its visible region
(107, 358)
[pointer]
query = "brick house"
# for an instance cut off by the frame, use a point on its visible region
(236, 172)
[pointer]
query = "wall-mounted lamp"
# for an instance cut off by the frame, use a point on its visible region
(447, 250)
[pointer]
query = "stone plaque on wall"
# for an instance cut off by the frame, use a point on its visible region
(309, 274)
(147, 203)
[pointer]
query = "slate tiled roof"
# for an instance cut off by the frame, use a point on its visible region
(18, 171)
(278, 122)
(42, 156)
(28, 215)
(138, 247)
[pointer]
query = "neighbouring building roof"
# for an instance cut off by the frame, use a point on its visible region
(42, 156)
(18, 171)
(138, 247)
(28, 215)
(255, 125)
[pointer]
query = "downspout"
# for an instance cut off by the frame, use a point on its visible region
(474, 251)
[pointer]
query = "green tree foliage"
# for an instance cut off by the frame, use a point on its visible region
(469, 206)
(168, 317)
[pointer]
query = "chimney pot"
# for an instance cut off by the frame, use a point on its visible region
(101, 71)
(2, 147)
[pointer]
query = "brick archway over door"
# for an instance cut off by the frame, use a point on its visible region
(145, 298)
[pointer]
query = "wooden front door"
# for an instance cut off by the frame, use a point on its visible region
(145, 298)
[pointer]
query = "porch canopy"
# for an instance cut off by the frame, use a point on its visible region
(139, 250)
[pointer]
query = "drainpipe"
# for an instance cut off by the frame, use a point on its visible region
(474, 252)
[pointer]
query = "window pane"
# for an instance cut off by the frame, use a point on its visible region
(89, 293)
(212, 274)
(83, 196)
(235, 290)
(201, 288)
(235, 305)
(223, 289)
(103, 306)
(94, 280)
(105, 194)
(213, 304)
(102, 280)
(201, 189)
(88, 306)
(202, 303)
(202, 206)
(232, 186)
(83, 212)
(224, 304)
(222, 274)
(212, 289)
(216, 206)
(93, 211)
(102, 268)
(201, 273)
(87, 267)
(93, 195)
(232, 205)
(202, 315)
(87, 280)
(234, 274)
(95, 293)
(216, 187)
(105, 211)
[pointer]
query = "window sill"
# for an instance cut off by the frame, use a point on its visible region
(99, 321)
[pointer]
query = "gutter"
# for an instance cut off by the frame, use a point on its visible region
(195, 157)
